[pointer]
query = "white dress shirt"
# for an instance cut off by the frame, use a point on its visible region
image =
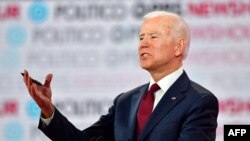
(165, 84)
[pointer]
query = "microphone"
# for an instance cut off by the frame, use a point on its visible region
(34, 81)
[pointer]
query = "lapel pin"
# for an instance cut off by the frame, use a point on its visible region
(173, 98)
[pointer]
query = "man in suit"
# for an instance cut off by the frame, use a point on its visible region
(181, 109)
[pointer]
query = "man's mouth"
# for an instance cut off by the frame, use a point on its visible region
(144, 54)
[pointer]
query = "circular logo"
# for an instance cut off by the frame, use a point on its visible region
(13, 131)
(38, 12)
(33, 111)
(16, 36)
(10, 59)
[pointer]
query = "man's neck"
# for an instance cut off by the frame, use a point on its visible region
(160, 74)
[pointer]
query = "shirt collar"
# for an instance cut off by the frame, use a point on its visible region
(168, 80)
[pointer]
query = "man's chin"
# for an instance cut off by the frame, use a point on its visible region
(145, 67)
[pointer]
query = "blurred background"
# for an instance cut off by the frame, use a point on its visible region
(90, 46)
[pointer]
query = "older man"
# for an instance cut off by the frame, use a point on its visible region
(170, 107)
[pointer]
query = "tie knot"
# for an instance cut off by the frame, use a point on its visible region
(154, 88)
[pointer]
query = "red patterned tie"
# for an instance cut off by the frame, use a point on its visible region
(145, 108)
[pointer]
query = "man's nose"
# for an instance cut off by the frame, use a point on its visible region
(144, 45)
(144, 42)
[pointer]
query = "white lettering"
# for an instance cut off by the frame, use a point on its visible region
(243, 131)
(231, 132)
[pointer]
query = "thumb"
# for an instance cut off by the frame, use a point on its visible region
(48, 80)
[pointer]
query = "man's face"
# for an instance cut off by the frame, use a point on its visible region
(157, 46)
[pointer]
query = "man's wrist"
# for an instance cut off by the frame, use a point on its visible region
(48, 112)
(47, 120)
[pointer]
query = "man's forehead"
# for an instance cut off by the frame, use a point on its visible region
(155, 27)
(149, 33)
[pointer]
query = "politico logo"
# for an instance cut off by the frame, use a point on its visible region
(71, 12)
(83, 107)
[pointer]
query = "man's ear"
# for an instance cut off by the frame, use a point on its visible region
(179, 48)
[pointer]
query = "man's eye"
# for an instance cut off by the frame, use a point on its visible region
(141, 38)
(153, 37)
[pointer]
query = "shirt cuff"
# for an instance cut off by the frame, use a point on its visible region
(47, 120)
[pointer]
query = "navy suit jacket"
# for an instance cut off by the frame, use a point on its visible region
(187, 112)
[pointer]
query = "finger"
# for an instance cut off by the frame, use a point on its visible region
(25, 77)
(29, 83)
(48, 80)
(29, 80)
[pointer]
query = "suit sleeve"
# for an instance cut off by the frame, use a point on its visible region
(201, 121)
(60, 129)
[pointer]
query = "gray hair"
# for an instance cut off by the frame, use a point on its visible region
(180, 27)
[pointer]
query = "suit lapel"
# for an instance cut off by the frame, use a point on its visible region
(172, 97)
(135, 101)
